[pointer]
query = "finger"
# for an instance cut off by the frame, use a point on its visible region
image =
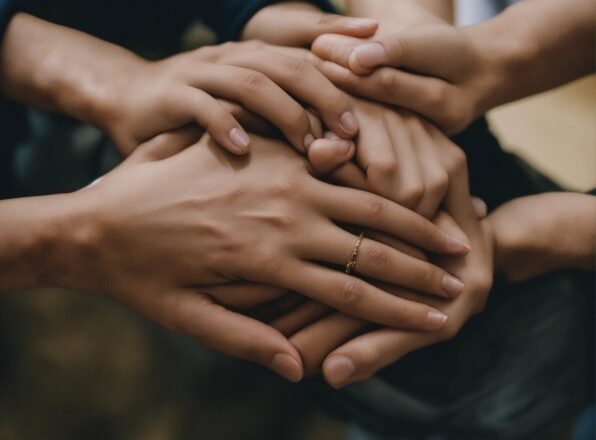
(408, 188)
(300, 317)
(192, 313)
(364, 355)
(360, 208)
(305, 83)
(420, 94)
(336, 48)
(166, 144)
(357, 298)
(299, 25)
(325, 155)
(210, 114)
(259, 94)
(381, 262)
(479, 207)
(253, 123)
(244, 295)
(436, 179)
(425, 49)
(375, 154)
(396, 244)
(350, 175)
(317, 340)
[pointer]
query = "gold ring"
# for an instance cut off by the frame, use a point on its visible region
(354, 257)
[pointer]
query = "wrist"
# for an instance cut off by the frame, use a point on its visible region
(45, 242)
(502, 58)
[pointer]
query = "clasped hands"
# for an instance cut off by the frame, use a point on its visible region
(220, 238)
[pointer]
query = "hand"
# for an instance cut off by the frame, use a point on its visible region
(167, 224)
(438, 71)
(542, 233)
(398, 156)
(182, 89)
(297, 24)
(337, 343)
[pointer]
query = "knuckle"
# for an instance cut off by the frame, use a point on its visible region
(267, 262)
(379, 259)
(384, 168)
(457, 161)
(411, 195)
(387, 82)
(376, 208)
(399, 46)
(439, 183)
(348, 293)
(297, 70)
(253, 81)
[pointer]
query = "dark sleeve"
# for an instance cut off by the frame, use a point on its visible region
(228, 17)
(7, 10)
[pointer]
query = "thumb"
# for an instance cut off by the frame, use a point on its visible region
(166, 144)
(428, 50)
(299, 25)
(329, 153)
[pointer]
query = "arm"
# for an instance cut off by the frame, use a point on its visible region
(462, 73)
(133, 100)
(544, 233)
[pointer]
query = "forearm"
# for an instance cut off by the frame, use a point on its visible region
(441, 8)
(39, 240)
(544, 233)
(61, 69)
(537, 45)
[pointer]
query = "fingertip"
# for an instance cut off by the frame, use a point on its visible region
(455, 246)
(240, 141)
(287, 367)
(338, 370)
(366, 57)
(348, 124)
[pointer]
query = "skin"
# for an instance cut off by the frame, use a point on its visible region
(172, 218)
(340, 346)
(453, 76)
(133, 99)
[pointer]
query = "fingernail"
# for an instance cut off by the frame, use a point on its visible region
(240, 139)
(455, 245)
(370, 55)
(348, 123)
(452, 285)
(287, 367)
(308, 140)
(360, 23)
(339, 369)
(436, 319)
(479, 207)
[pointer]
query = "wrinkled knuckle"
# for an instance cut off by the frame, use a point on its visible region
(376, 208)
(253, 81)
(457, 161)
(440, 183)
(388, 82)
(411, 195)
(267, 262)
(384, 168)
(379, 258)
(399, 46)
(297, 70)
(349, 293)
